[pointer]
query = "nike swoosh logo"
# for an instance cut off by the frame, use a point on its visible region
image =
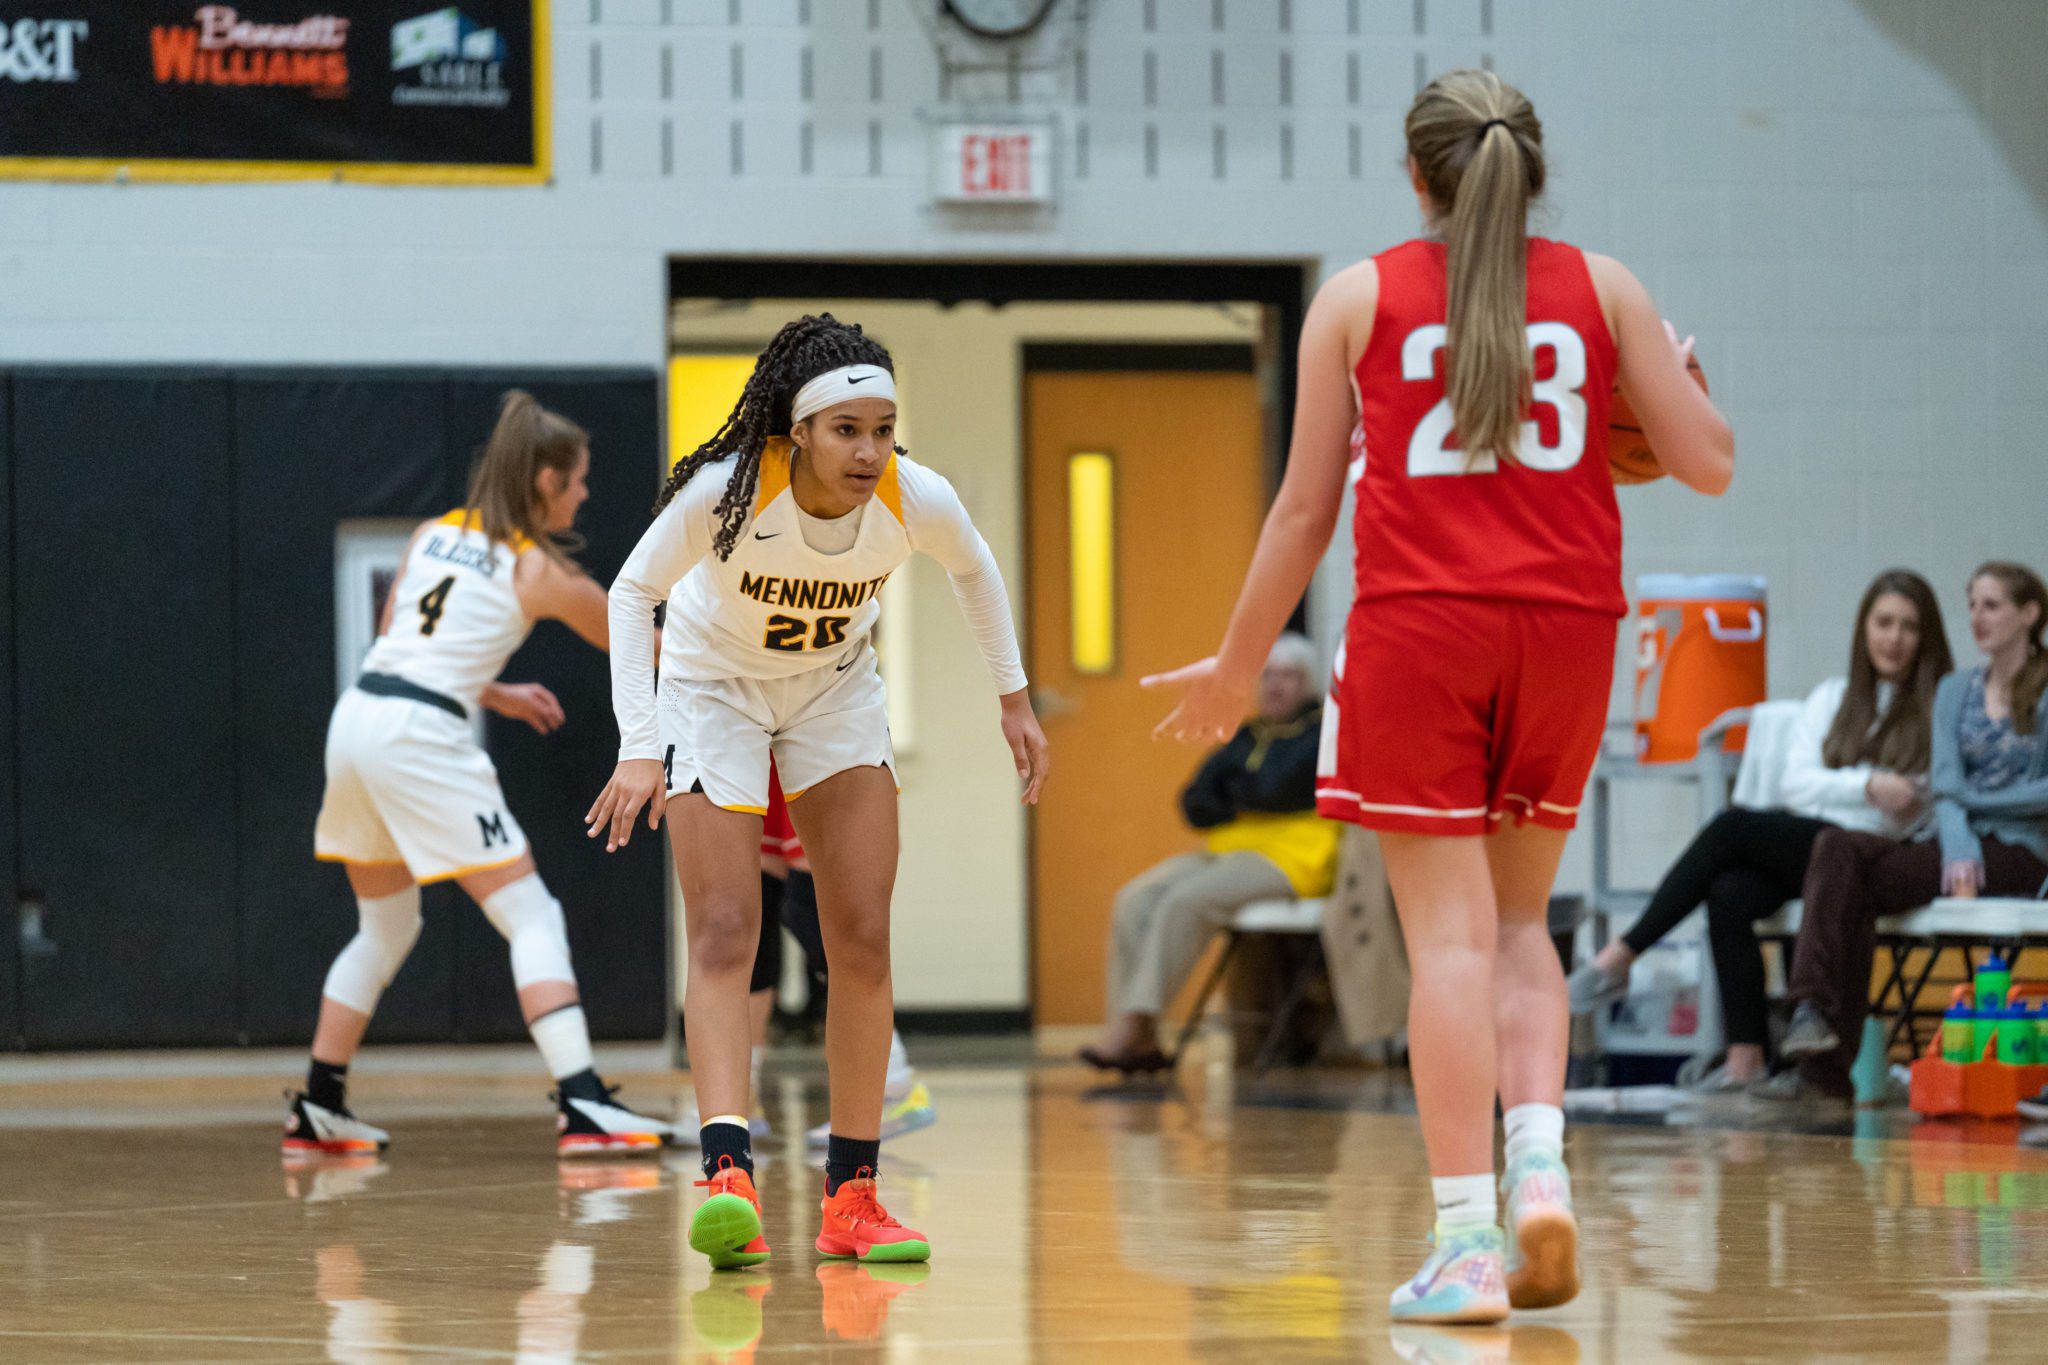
(759, 536)
(841, 668)
(862, 380)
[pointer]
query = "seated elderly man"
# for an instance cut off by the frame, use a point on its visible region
(1255, 800)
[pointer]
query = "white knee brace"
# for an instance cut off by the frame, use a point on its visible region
(388, 927)
(531, 921)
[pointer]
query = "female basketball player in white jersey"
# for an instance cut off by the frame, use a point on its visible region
(412, 798)
(770, 550)
(1458, 379)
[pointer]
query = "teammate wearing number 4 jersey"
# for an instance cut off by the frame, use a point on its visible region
(411, 797)
(1453, 383)
(770, 546)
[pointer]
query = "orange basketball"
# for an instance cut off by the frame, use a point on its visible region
(1629, 457)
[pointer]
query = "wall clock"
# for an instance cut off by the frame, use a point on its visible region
(998, 18)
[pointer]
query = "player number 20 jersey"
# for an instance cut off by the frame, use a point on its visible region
(776, 607)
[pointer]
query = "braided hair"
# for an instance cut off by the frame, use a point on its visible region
(804, 349)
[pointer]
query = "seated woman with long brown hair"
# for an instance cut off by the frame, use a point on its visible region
(1989, 781)
(1857, 761)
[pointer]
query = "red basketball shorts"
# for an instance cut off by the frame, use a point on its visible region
(1451, 714)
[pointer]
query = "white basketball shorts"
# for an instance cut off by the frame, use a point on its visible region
(408, 783)
(717, 736)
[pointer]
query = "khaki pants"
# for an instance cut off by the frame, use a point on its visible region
(1165, 918)
(1363, 945)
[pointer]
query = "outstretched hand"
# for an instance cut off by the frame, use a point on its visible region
(1211, 706)
(636, 782)
(1029, 747)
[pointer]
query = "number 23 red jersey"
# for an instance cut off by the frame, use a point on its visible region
(1542, 529)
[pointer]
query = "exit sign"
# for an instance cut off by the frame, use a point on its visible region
(992, 163)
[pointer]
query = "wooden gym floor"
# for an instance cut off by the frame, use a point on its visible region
(145, 1216)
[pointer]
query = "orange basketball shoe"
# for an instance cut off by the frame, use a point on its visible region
(857, 1227)
(727, 1226)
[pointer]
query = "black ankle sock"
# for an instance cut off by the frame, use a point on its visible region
(584, 1085)
(846, 1158)
(727, 1140)
(327, 1085)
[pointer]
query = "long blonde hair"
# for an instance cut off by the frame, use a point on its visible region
(2023, 585)
(1478, 147)
(503, 495)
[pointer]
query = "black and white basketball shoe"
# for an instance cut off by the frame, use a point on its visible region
(312, 1129)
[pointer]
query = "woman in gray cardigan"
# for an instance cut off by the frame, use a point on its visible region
(1989, 781)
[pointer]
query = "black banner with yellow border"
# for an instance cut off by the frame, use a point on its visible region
(376, 90)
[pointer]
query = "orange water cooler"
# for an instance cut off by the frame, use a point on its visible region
(1700, 642)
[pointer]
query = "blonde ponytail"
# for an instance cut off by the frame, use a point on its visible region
(1478, 148)
(503, 498)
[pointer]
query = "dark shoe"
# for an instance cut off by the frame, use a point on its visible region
(1809, 1033)
(310, 1129)
(1140, 1063)
(2036, 1108)
(603, 1128)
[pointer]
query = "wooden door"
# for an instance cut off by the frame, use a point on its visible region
(1188, 490)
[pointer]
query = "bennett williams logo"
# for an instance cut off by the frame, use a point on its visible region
(40, 49)
(445, 58)
(220, 47)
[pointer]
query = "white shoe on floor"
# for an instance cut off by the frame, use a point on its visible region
(1462, 1282)
(902, 1114)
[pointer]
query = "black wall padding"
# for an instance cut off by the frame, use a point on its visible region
(615, 903)
(10, 929)
(313, 448)
(169, 681)
(125, 704)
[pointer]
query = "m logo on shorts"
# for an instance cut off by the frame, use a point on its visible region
(493, 827)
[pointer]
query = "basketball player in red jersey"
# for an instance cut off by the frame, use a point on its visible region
(1456, 382)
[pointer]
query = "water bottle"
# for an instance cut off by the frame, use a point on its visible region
(2015, 1036)
(1994, 980)
(1984, 1020)
(1870, 1075)
(1958, 1033)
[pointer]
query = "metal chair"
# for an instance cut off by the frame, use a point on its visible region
(1288, 922)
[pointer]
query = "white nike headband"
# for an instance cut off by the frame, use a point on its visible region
(840, 386)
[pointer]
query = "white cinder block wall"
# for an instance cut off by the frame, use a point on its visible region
(1846, 199)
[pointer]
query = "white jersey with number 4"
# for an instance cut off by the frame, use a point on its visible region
(406, 780)
(777, 607)
(455, 613)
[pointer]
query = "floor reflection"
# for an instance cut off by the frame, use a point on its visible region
(1205, 1223)
(548, 1318)
(1484, 1345)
